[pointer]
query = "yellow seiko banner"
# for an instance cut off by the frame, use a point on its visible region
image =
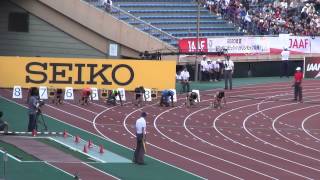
(79, 73)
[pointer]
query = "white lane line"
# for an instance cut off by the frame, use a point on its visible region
(249, 147)
(79, 107)
(133, 135)
(59, 169)
(69, 125)
(307, 131)
(99, 170)
(204, 100)
(124, 123)
(275, 129)
(71, 114)
(104, 137)
(99, 105)
(273, 126)
(211, 144)
(178, 155)
(11, 156)
(221, 159)
(273, 145)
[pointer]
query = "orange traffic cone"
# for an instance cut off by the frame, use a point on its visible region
(101, 150)
(90, 144)
(85, 149)
(34, 132)
(77, 139)
(65, 134)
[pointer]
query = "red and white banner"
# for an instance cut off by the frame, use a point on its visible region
(242, 45)
(312, 67)
(189, 45)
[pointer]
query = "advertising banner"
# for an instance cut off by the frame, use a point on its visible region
(239, 45)
(79, 73)
(189, 45)
(312, 67)
(246, 45)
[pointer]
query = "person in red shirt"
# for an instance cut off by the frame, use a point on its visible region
(86, 92)
(297, 84)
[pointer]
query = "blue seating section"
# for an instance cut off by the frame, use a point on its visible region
(176, 17)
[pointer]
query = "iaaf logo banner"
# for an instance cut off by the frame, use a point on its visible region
(312, 67)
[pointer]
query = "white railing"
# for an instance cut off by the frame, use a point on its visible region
(134, 21)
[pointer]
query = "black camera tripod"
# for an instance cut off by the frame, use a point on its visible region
(39, 114)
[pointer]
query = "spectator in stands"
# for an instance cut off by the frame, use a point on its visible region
(228, 71)
(285, 62)
(263, 17)
(107, 5)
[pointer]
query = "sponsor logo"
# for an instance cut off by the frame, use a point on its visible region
(60, 73)
(313, 67)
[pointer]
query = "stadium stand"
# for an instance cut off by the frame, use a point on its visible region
(175, 17)
(265, 17)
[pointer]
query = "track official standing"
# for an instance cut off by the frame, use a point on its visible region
(141, 138)
(285, 62)
(185, 75)
(297, 84)
(228, 71)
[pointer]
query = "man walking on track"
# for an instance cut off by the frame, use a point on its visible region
(141, 138)
(228, 71)
(297, 84)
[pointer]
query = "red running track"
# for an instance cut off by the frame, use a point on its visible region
(266, 136)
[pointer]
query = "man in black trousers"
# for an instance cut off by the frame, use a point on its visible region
(141, 139)
(228, 71)
(33, 105)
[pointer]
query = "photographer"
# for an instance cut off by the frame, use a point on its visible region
(33, 103)
(3, 124)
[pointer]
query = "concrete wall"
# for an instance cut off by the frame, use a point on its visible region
(42, 39)
(106, 25)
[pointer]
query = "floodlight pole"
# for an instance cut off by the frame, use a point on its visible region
(197, 43)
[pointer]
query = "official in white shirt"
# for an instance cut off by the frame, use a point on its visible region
(228, 71)
(141, 132)
(185, 75)
(202, 68)
(285, 62)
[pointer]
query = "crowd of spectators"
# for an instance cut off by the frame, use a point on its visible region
(266, 17)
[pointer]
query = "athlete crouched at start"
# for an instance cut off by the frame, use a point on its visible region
(165, 95)
(192, 98)
(139, 94)
(85, 94)
(59, 95)
(112, 97)
(218, 99)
